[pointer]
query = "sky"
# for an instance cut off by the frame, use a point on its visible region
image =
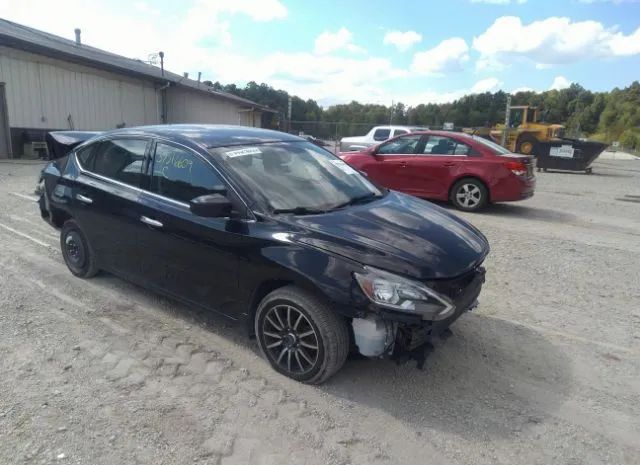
(336, 51)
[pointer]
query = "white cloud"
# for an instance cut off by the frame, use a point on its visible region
(551, 41)
(328, 42)
(403, 41)
(140, 33)
(448, 56)
(326, 78)
(523, 89)
(431, 96)
(486, 85)
(559, 83)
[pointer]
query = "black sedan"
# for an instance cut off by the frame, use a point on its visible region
(270, 230)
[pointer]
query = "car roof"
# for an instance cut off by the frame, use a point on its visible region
(432, 132)
(209, 135)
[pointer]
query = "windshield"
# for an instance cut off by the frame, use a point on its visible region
(292, 176)
(496, 148)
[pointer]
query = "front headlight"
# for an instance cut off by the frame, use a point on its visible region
(398, 293)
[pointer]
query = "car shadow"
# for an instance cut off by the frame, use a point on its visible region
(485, 381)
(491, 379)
(594, 173)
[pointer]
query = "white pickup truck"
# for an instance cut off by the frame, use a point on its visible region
(375, 136)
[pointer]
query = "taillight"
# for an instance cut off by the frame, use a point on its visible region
(516, 167)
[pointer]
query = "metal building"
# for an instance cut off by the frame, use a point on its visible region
(51, 83)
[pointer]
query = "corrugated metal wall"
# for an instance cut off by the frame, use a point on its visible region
(43, 92)
(187, 106)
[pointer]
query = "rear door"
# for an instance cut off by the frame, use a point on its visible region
(193, 258)
(438, 163)
(105, 199)
(389, 167)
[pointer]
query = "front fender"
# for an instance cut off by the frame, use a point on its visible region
(328, 276)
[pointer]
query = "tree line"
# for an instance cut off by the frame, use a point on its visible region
(605, 116)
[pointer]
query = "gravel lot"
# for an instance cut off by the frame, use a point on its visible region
(547, 370)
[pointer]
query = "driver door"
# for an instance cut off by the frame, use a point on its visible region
(194, 258)
(392, 161)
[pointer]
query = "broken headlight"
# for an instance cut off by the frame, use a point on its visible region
(395, 292)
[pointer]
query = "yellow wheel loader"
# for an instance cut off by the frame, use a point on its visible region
(526, 133)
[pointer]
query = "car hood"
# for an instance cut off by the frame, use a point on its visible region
(398, 233)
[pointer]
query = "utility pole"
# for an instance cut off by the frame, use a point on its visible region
(391, 114)
(507, 118)
(289, 115)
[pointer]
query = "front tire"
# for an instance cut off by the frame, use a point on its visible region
(469, 195)
(76, 251)
(527, 145)
(300, 335)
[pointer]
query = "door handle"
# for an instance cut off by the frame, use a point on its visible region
(449, 163)
(151, 222)
(84, 199)
(403, 164)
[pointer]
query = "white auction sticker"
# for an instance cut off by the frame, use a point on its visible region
(343, 166)
(565, 151)
(243, 152)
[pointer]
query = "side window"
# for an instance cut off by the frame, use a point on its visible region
(441, 145)
(462, 149)
(401, 145)
(180, 174)
(399, 132)
(381, 134)
(85, 157)
(120, 159)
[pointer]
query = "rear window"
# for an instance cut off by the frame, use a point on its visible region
(84, 156)
(120, 159)
(495, 148)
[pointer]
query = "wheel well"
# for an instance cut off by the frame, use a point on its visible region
(59, 217)
(266, 287)
(475, 178)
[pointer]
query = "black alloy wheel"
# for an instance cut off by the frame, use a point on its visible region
(291, 341)
(301, 335)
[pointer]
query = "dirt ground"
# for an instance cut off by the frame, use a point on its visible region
(546, 371)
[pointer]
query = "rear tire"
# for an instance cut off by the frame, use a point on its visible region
(300, 335)
(469, 195)
(76, 251)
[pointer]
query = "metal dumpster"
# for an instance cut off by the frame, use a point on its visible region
(568, 155)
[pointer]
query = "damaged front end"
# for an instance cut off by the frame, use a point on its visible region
(409, 315)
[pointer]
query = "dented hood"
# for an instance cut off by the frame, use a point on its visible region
(397, 233)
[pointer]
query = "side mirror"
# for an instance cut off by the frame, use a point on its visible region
(211, 206)
(373, 150)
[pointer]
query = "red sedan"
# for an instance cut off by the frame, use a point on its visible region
(466, 170)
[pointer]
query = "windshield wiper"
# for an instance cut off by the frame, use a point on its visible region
(299, 210)
(358, 199)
